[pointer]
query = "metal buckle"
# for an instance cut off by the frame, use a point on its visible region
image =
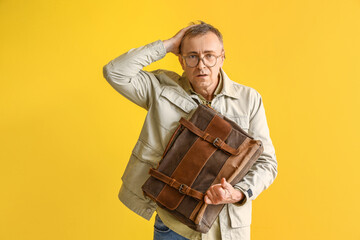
(181, 188)
(215, 142)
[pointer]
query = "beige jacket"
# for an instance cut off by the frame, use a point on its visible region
(167, 98)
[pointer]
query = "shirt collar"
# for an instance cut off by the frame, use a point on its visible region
(225, 86)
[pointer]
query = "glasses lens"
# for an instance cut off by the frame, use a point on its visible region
(192, 60)
(209, 60)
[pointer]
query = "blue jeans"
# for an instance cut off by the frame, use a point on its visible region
(162, 232)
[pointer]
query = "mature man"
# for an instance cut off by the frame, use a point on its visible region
(167, 97)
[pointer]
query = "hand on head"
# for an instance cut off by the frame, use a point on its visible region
(173, 44)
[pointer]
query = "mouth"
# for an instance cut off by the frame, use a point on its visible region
(201, 75)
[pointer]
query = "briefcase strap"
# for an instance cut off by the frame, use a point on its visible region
(183, 188)
(217, 142)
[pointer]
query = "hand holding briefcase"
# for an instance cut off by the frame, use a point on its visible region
(200, 153)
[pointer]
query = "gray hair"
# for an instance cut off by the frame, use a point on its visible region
(200, 29)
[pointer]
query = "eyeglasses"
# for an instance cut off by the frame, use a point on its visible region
(193, 60)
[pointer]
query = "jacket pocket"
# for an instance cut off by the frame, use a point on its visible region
(137, 169)
(242, 121)
(170, 107)
(240, 216)
(145, 153)
(175, 98)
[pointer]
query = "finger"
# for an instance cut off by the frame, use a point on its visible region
(214, 192)
(186, 28)
(225, 184)
(182, 31)
(220, 192)
(210, 197)
(207, 200)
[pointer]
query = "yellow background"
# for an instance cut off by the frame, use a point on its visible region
(66, 135)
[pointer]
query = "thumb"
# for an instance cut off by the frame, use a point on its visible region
(225, 184)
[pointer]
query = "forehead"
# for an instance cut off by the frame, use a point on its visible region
(202, 43)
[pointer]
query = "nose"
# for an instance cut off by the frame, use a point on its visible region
(201, 64)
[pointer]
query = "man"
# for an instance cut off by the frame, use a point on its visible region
(167, 97)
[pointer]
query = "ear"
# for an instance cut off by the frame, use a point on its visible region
(181, 60)
(222, 59)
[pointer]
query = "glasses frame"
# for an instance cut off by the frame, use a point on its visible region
(202, 59)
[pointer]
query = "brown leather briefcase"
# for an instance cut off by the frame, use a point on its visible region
(201, 151)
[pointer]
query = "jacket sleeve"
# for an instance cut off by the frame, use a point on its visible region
(264, 170)
(126, 76)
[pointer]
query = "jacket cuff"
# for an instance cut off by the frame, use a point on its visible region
(246, 190)
(157, 50)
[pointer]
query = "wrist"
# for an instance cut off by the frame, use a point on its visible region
(167, 45)
(238, 195)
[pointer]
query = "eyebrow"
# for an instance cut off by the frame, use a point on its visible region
(207, 51)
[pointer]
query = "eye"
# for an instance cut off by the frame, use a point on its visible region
(192, 56)
(209, 56)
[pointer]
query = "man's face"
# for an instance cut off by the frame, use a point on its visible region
(201, 76)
